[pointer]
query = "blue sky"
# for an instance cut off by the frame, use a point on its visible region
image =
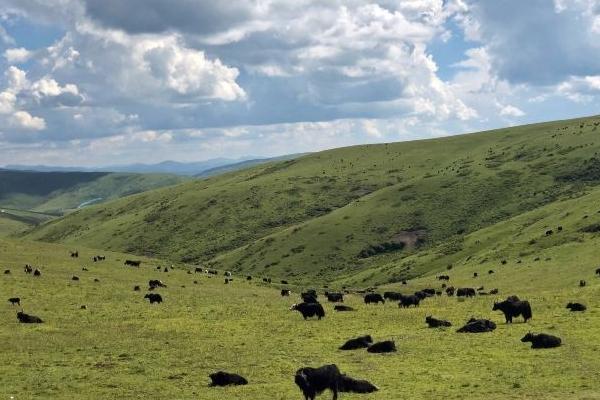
(97, 82)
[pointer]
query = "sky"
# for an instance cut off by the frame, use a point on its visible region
(104, 82)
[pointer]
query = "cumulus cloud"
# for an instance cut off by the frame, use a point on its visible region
(17, 55)
(24, 120)
(510, 111)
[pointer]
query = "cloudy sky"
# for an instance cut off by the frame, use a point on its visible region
(97, 82)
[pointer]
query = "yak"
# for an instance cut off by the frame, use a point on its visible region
(465, 292)
(314, 381)
(387, 346)
(410, 300)
(37, 272)
(341, 307)
(541, 341)
(222, 378)
(285, 292)
(309, 310)
(513, 309)
(28, 319)
(436, 323)
(576, 307)
(373, 298)
(335, 297)
(154, 298)
(132, 263)
(450, 291)
(360, 342)
(392, 296)
(477, 326)
(14, 300)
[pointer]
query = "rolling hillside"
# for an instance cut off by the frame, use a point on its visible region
(342, 212)
(59, 192)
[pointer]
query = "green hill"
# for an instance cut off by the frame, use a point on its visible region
(59, 192)
(342, 212)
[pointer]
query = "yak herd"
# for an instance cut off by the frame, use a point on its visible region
(313, 381)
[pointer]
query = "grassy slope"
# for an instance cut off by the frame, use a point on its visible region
(121, 347)
(62, 191)
(309, 218)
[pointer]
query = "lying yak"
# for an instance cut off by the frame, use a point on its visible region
(361, 342)
(309, 310)
(314, 381)
(541, 341)
(28, 319)
(387, 346)
(225, 379)
(576, 307)
(512, 309)
(341, 307)
(477, 326)
(436, 323)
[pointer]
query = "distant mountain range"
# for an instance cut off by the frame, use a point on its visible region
(198, 168)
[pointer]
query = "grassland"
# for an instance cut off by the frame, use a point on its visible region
(343, 212)
(122, 347)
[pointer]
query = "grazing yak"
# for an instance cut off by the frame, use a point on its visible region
(387, 346)
(513, 309)
(154, 298)
(576, 307)
(477, 326)
(225, 379)
(309, 310)
(410, 300)
(248, 278)
(28, 319)
(74, 254)
(341, 307)
(436, 323)
(75, 278)
(335, 297)
(6, 271)
(450, 291)
(541, 341)
(396, 296)
(136, 288)
(28, 269)
(284, 282)
(444, 277)
(198, 270)
(133, 263)
(14, 300)
(361, 342)
(154, 283)
(37, 272)
(374, 298)
(285, 292)
(465, 292)
(314, 381)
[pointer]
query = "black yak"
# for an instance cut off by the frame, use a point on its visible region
(436, 323)
(392, 296)
(309, 310)
(477, 326)
(361, 342)
(28, 319)
(374, 298)
(154, 283)
(314, 381)
(582, 283)
(541, 341)
(284, 282)
(133, 263)
(28, 269)
(410, 300)
(335, 297)
(465, 292)
(450, 291)
(248, 278)
(309, 297)
(6, 271)
(225, 378)
(136, 288)
(421, 295)
(387, 346)
(75, 278)
(341, 307)
(154, 298)
(37, 272)
(597, 271)
(285, 292)
(513, 309)
(351, 385)
(14, 300)
(576, 307)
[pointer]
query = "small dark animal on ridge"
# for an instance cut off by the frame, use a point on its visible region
(341, 307)
(28, 319)
(14, 300)
(576, 307)
(541, 341)
(154, 298)
(436, 323)
(387, 346)
(225, 379)
(360, 342)
(513, 309)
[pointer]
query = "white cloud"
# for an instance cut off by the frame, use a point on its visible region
(24, 120)
(17, 55)
(510, 111)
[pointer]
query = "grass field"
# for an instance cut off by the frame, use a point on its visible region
(122, 347)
